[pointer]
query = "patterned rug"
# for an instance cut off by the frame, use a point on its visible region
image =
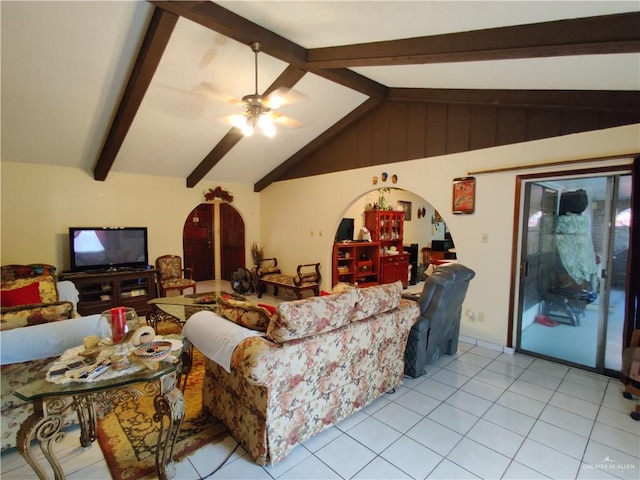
(128, 435)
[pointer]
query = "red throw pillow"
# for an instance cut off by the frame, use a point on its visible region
(21, 296)
(269, 308)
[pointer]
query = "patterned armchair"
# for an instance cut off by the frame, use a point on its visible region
(173, 276)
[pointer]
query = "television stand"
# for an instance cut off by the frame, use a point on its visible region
(100, 291)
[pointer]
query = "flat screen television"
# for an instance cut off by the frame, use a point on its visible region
(345, 230)
(107, 248)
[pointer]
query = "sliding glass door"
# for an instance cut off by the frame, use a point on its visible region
(574, 245)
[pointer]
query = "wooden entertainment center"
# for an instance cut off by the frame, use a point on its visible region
(122, 288)
(370, 263)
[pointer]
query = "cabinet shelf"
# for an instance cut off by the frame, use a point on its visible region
(349, 259)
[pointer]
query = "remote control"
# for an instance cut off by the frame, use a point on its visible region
(97, 370)
(81, 364)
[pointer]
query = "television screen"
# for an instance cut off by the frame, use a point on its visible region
(107, 247)
(345, 230)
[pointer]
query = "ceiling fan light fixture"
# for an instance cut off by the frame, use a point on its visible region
(247, 130)
(257, 112)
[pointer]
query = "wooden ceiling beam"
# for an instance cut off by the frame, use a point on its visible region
(607, 34)
(355, 115)
(155, 41)
(621, 101)
(287, 79)
(229, 24)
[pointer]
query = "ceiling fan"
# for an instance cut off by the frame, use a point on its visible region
(259, 110)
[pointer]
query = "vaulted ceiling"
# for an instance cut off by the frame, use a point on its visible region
(144, 87)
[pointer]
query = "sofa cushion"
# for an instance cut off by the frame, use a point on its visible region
(310, 316)
(377, 299)
(13, 272)
(27, 315)
(46, 287)
(244, 314)
(26, 295)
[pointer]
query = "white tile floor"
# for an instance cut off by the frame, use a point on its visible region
(478, 414)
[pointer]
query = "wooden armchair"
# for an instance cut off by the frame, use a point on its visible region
(173, 276)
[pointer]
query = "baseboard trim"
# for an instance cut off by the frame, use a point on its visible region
(489, 345)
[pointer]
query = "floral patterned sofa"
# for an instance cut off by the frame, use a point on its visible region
(33, 335)
(319, 360)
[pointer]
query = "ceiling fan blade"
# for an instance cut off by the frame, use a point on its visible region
(176, 101)
(286, 121)
(207, 89)
(283, 96)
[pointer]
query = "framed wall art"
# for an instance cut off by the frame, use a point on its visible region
(406, 206)
(464, 195)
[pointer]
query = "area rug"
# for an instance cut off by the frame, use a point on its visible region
(128, 435)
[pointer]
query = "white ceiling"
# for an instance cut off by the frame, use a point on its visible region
(65, 66)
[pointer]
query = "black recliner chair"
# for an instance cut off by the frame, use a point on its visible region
(440, 310)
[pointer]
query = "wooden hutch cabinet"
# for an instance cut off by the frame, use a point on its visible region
(387, 228)
(357, 263)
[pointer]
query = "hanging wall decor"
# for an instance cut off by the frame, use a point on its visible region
(464, 195)
(218, 192)
(406, 208)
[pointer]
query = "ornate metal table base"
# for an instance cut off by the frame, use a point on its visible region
(46, 422)
(156, 314)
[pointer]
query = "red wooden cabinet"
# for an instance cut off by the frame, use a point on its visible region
(394, 268)
(356, 263)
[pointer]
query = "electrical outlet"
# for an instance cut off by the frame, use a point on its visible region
(481, 316)
(484, 238)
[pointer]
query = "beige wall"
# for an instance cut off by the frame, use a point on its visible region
(299, 217)
(40, 203)
(296, 220)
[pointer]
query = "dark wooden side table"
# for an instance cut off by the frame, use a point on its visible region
(51, 401)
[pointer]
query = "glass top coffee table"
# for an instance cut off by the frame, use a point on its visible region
(178, 308)
(51, 401)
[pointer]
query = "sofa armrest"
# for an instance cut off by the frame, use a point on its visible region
(44, 340)
(67, 292)
(307, 273)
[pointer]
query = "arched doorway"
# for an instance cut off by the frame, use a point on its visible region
(199, 239)
(425, 235)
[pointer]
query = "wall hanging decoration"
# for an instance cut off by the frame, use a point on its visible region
(406, 207)
(464, 195)
(218, 192)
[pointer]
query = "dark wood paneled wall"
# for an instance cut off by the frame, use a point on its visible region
(402, 130)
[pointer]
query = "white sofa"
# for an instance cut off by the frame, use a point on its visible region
(25, 354)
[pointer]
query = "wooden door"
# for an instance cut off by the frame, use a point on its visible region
(197, 241)
(232, 251)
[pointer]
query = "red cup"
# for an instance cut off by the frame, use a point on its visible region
(118, 323)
